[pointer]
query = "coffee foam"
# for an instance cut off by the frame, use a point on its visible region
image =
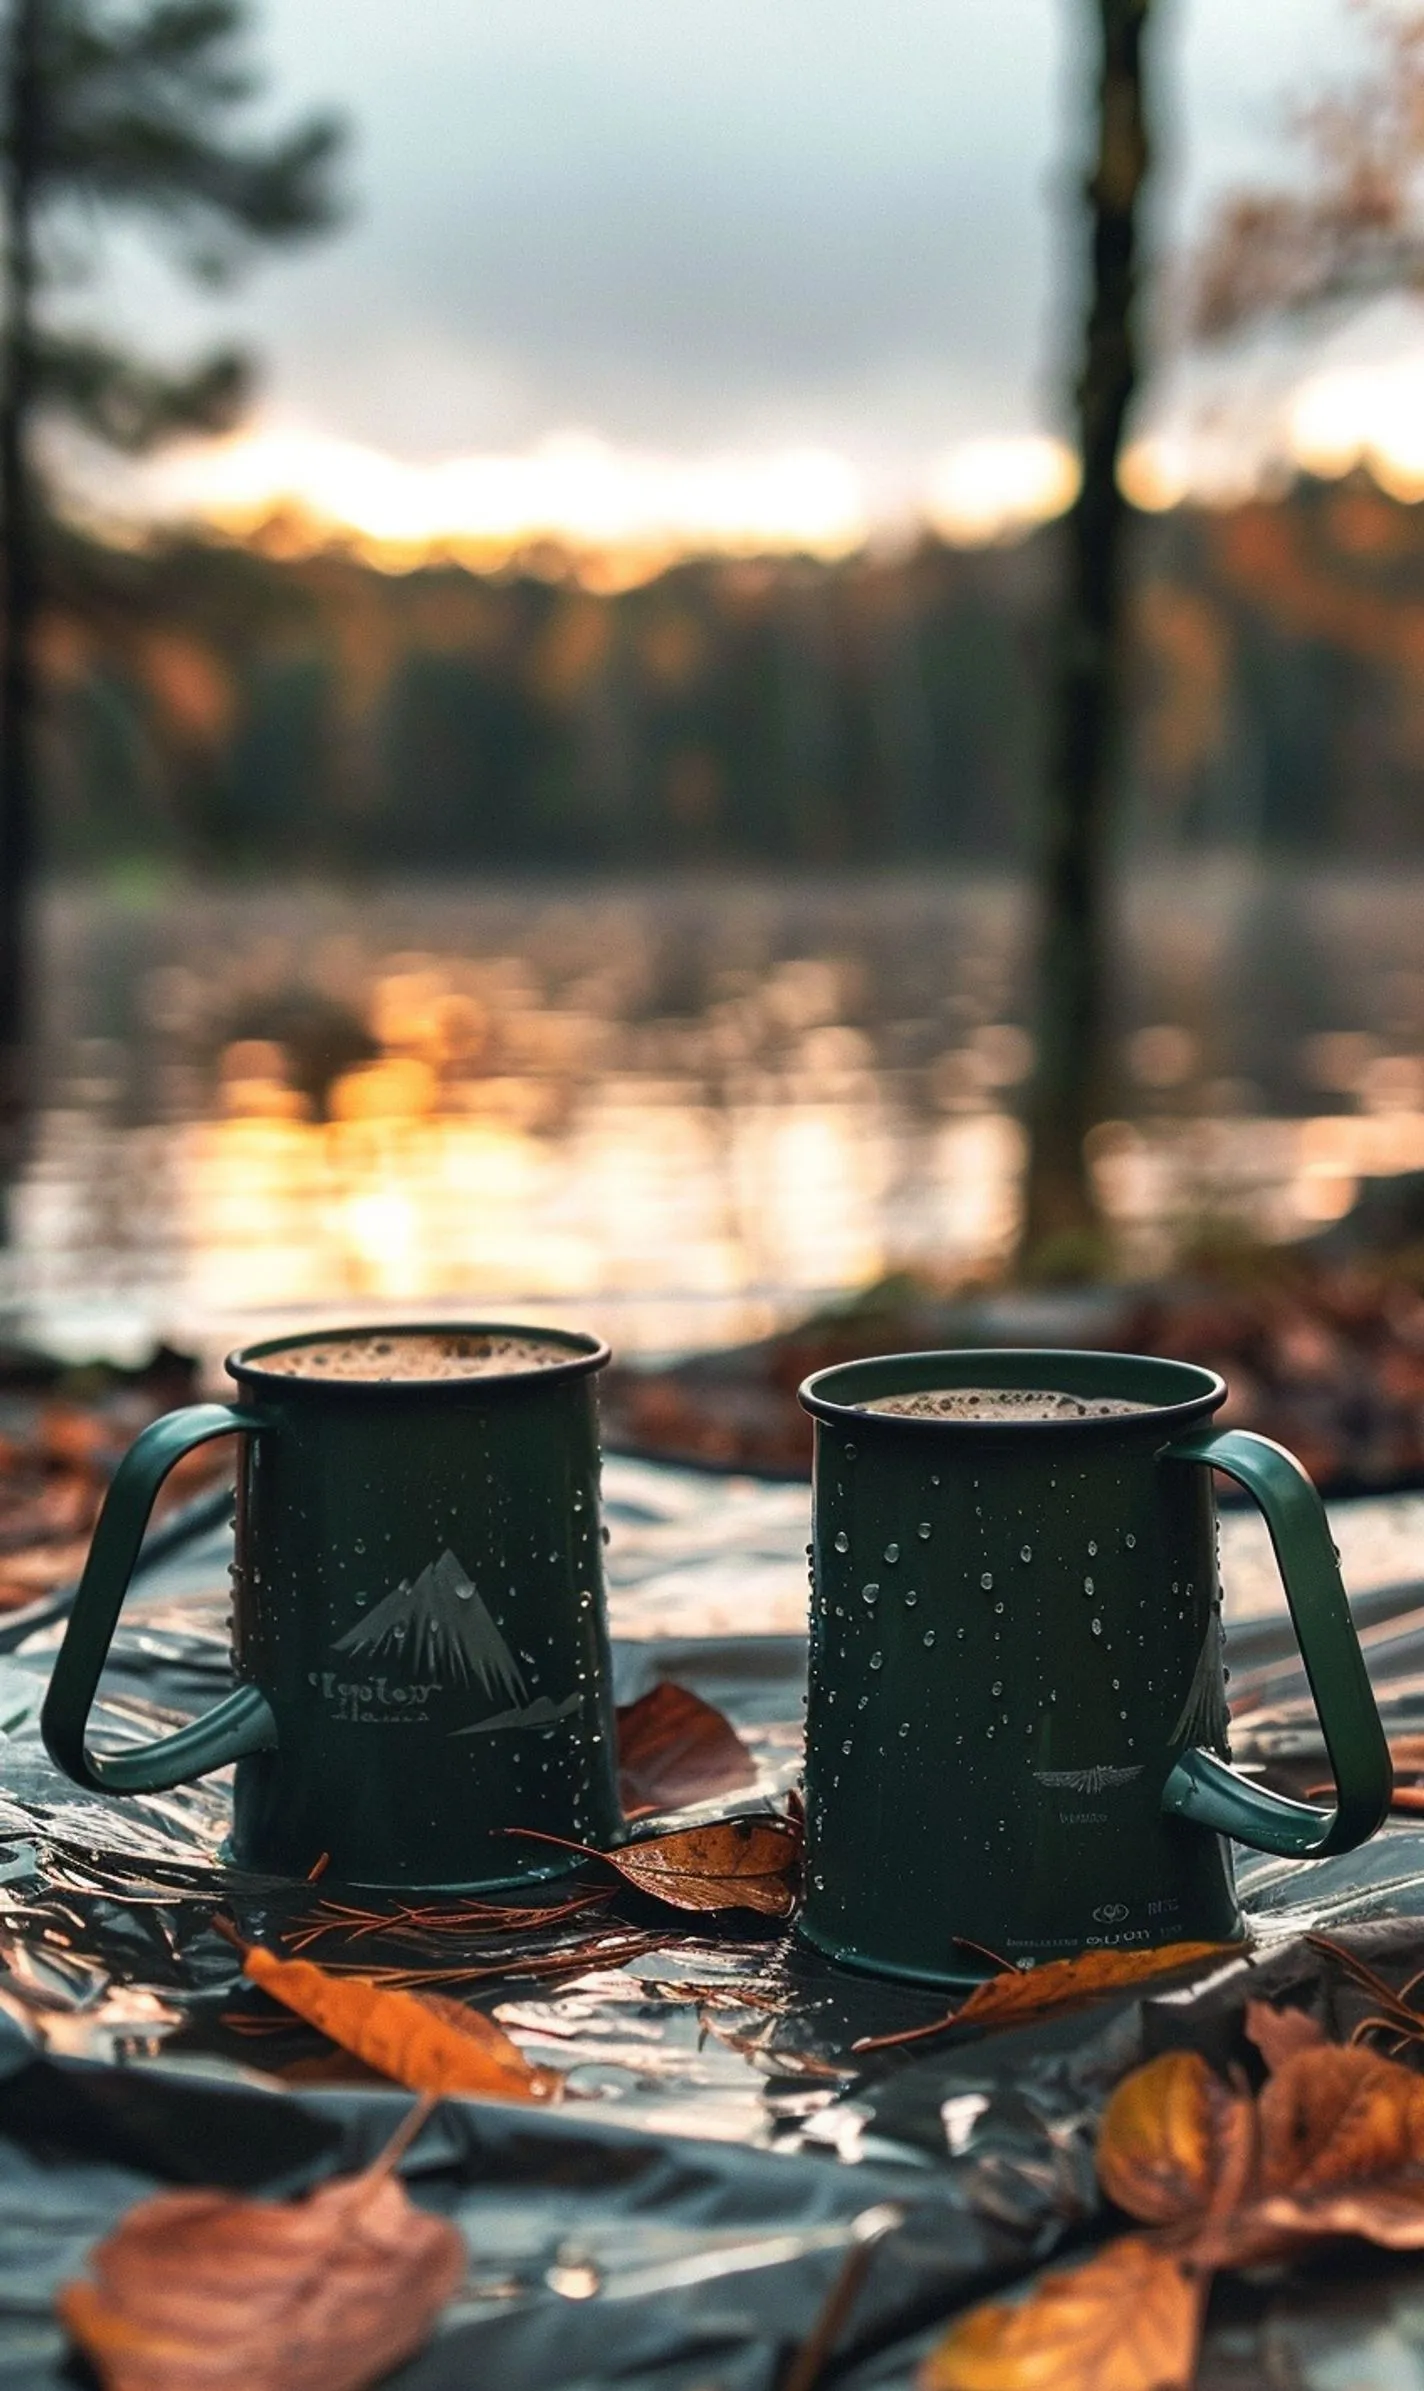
(1015, 1403)
(381, 1358)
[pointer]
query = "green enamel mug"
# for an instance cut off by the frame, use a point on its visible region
(1017, 1722)
(417, 1609)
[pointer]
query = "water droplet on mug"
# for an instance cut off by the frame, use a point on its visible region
(924, 1531)
(934, 1477)
(1131, 1542)
(960, 1632)
(877, 1660)
(987, 1581)
(1025, 1552)
(911, 1598)
(845, 1747)
(842, 1541)
(864, 1702)
(998, 1686)
(1097, 1627)
(929, 1637)
(870, 1593)
(1087, 1585)
(850, 1452)
(892, 1552)
(359, 1545)
(904, 1726)
(1092, 1549)
(999, 1610)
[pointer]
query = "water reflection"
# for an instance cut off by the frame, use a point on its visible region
(685, 1112)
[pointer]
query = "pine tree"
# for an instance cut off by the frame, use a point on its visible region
(1061, 1221)
(112, 112)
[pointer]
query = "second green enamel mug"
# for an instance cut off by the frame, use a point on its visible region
(1017, 1721)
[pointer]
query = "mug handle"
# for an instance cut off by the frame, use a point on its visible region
(1201, 1787)
(240, 1723)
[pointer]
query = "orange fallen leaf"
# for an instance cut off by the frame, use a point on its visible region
(1128, 2320)
(198, 2291)
(675, 1748)
(1279, 2033)
(427, 2046)
(1020, 1993)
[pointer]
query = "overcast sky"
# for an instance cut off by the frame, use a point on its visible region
(740, 223)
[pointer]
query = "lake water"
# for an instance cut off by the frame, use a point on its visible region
(681, 1111)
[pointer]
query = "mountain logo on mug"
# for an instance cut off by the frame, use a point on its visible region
(439, 1627)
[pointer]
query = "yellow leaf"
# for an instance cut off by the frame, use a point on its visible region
(1174, 2141)
(1128, 2320)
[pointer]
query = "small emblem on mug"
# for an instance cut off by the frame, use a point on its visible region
(1110, 1913)
(1101, 1779)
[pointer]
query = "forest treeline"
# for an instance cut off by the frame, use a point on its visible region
(228, 707)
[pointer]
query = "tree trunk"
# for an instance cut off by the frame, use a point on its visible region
(19, 578)
(1061, 1218)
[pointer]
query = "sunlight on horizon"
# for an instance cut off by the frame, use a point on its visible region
(621, 515)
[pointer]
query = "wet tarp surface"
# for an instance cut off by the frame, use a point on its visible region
(680, 2217)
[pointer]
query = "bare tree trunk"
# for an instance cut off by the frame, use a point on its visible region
(19, 578)
(1069, 1086)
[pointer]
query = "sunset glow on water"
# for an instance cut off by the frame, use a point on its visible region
(679, 1114)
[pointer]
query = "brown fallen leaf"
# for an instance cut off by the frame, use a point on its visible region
(735, 1863)
(198, 2291)
(1128, 2320)
(1338, 2130)
(1020, 1993)
(1279, 2033)
(674, 1748)
(422, 2041)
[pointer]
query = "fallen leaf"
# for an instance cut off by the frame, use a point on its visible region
(735, 1863)
(197, 2291)
(1279, 2033)
(1333, 2116)
(1333, 2146)
(1030, 1990)
(1019, 1993)
(1175, 2142)
(1128, 2320)
(674, 1748)
(422, 2041)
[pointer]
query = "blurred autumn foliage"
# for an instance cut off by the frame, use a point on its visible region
(1354, 226)
(234, 706)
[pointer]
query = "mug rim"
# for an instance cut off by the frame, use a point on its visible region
(976, 1364)
(586, 1353)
